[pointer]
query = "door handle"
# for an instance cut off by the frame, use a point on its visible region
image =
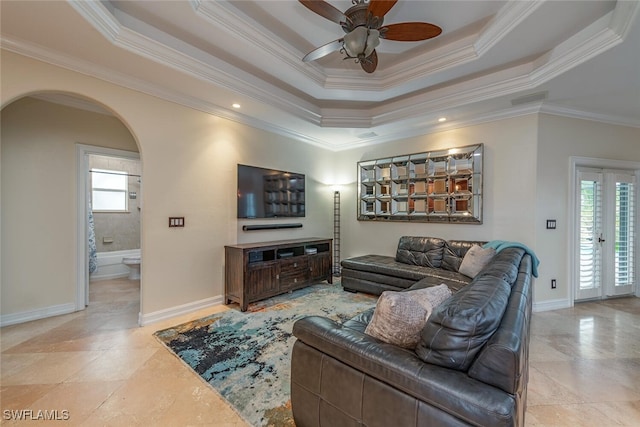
(601, 240)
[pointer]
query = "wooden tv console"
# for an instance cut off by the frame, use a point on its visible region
(255, 271)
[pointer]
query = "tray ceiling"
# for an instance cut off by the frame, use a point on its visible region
(493, 59)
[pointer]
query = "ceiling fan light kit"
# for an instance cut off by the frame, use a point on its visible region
(363, 25)
(361, 42)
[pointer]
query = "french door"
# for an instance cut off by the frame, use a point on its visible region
(606, 238)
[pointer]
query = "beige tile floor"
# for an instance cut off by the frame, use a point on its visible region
(105, 371)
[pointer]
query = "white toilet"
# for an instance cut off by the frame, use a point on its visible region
(134, 267)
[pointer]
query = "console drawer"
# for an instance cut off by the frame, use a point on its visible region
(294, 272)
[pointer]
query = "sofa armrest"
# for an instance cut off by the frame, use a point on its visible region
(446, 389)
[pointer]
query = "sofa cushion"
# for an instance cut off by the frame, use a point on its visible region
(475, 260)
(400, 316)
(505, 264)
(423, 251)
(454, 252)
(460, 326)
(454, 283)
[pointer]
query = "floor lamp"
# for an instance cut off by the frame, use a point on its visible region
(336, 233)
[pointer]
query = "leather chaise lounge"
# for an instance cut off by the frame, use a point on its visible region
(470, 366)
(430, 259)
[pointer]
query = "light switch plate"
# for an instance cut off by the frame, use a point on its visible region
(176, 221)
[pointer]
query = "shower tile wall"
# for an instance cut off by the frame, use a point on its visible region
(123, 228)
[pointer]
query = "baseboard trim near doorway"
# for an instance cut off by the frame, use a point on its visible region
(179, 310)
(555, 304)
(37, 314)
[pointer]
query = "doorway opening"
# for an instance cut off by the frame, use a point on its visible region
(110, 233)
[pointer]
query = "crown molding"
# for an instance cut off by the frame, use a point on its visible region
(100, 16)
(464, 93)
(507, 19)
(586, 44)
(421, 128)
(558, 110)
(391, 80)
(341, 118)
(223, 15)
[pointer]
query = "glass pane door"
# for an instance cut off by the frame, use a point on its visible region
(606, 233)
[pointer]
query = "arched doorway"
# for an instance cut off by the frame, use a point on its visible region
(42, 223)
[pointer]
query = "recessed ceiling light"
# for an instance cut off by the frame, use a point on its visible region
(442, 119)
(236, 105)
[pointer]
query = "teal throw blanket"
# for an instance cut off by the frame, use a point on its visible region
(499, 245)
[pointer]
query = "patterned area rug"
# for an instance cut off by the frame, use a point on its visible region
(246, 357)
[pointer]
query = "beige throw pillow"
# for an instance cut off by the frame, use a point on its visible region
(475, 260)
(400, 316)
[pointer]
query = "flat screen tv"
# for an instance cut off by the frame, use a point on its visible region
(270, 193)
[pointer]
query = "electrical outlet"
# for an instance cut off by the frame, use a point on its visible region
(553, 283)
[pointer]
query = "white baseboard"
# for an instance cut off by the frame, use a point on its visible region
(554, 304)
(167, 313)
(99, 277)
(40, 313)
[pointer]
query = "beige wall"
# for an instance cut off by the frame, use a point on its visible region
(189, 165)
(509, 187)
(559, 139)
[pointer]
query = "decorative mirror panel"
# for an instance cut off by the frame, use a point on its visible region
(434, 186)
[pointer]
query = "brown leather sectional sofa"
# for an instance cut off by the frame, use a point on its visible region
(470, 367)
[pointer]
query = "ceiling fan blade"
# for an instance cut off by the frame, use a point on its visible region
(380, 8)
(325, 10)
(323, 50)
(410, 31)
(370, 63)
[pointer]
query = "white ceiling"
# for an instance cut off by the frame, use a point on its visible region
(494, 59)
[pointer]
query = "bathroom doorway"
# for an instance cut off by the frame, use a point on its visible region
(110, 204)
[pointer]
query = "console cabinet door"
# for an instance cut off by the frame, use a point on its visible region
(261, 281)
(320, 266)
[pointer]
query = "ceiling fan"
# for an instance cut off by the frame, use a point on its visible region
(363, 25)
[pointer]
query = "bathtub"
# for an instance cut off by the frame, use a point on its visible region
(110, 264)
